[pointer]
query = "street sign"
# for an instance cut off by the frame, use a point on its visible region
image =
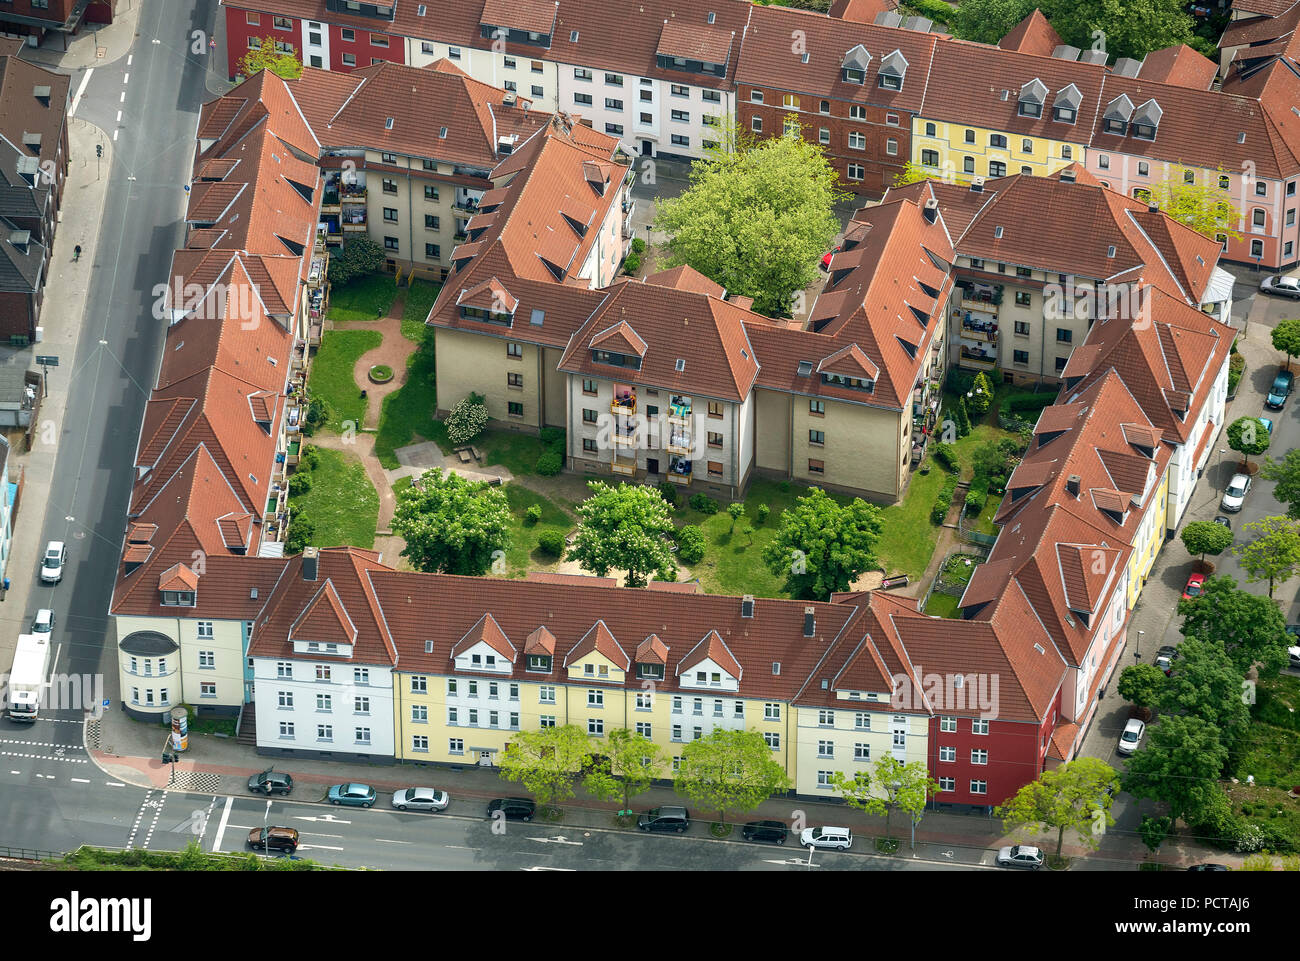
(47, 360)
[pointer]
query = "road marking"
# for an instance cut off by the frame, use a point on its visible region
(126, 78)
(85, 79)
(114, 136)
(327, 818)
(43, 757)
(539, 868)
(15, 772)
(390, 841)
(558, 839)
(123, 98)
(119, 116)
(221, 828)
(129, 58)
(457, 847)
(80, 780)
(320, 847)
(114, 784)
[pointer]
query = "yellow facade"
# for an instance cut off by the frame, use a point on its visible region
(958, 152)
(1150, 538)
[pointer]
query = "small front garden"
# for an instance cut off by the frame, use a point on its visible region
(366, 298)
(332, 381)
(331, 502)
(535, 523)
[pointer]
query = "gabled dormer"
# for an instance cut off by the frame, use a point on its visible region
(1116, 117)
(539, 651)
(139, 546)
(489, 303)
(1032, 97)
(651, 659)
(485, 648)
(1065, 107)
(849, 368)
(1146, 120)
(324, 626)
(854, 67)
(178, 586)
(893, 71)
(1086, 573)
(598, 657)
(1142, 438)
(709, 665)
(618, 346)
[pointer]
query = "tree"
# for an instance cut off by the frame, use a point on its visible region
(822, 546)
(891, 785)
(467, 419)
(1205, 537)
(736, 510)
(266, 57)
(980, 396)
(1251, 628)
(631, 763)
(961, 418)
(1132, 28)
(1287, 474)
(1203, 682)
(1248, 437)
(360, 256)
(547, 761)
(911, 174)
(301, 531)
(988, 21)
(1141, 684)
(1153, 831)
(451, 524)
(1073, 797)
(1180, 765)
(626, 527)
(1274, 553)
(1286, 338)
(1200, 204)
(730, 771)
(757, 220)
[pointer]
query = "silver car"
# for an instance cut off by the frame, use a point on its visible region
(421, 799)
(56, 555)
(1235, 493)
(1281, 285)
(43, 623)
(1132, 736)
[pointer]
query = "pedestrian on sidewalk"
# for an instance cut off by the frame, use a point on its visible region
(76, 252)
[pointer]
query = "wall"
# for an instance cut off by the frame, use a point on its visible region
(473, 362)
(300, 708)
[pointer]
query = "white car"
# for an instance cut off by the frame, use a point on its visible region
(52, 565)
(43, 622)
(1281, 285)
(421, 799)
(1235, 493)
(840, 839)
(1020, 856)
(1132, 736)
(1293, 654)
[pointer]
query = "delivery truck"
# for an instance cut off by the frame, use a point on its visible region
(28, 676)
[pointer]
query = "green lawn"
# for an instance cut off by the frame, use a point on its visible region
(517, 452)
(366, 298)
(523, 554)
(408, 412)
(943, 605)
(908, 538)
(342, 503)
(331, 374)
(419, 299)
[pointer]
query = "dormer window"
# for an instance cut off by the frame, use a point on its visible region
(892, 71)
(852, 383)
(1146, 119)
(1117, 115)
(615, 359)
(539, 663)
(1065, 108)
(1032, 97)
(654, 672)
(855, 64)
(177, 598)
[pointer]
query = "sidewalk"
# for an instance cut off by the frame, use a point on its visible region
(95, 46)
(66, 289)
(130, 751)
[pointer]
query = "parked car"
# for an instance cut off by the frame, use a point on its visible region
(828, 256)
(774, 831)
(271, 781)
(273, 839)
(1194, 585)
(1020, 856)
(352, 795)
(666, 818)
(1208, 867)
(1235, 493)
(421, 799)
(1167, 650)
(1165, 663)
(56, 555)
(1223, 520)
(841, 839)
(43, 622)
(1293, 657)
(1277, 394)
(512, 808)
(1132, 736)
(1281, 285)
(1268, 425)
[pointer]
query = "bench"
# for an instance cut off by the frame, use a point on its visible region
(463, 455)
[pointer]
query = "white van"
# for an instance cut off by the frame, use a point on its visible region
(840, 839)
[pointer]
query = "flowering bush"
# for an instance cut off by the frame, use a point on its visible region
(467, 420)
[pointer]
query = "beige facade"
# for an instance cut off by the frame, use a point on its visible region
(850, 738)
(206, 672)
(487, 364)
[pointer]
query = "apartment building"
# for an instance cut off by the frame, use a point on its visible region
(32, 21)
(409, 179)
(853, 88)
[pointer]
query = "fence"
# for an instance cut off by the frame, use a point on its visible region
(30, 854)
(946, 583)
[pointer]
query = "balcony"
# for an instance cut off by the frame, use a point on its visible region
(293, 420)
(624, 402)
(623, 464)
(319, 270)
(976, 327)
(466, 206)
(679, 471)
(679, 442)
(293, 454)
(679, 411)
(625, 434)
(359, 228)
(353, 193)
(979, 358)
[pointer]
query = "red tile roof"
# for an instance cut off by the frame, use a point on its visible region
(324, 619)
(713, 648)
(486, 631)
(1181, 66)
(1034, 34)
(600, 639)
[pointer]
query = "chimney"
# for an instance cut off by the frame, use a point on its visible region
(931, 211)
(809, 622)
(1072, 485)
(747, 606)
(310, 559)
(1067, 175)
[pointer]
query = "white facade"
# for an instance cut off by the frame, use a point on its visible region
(333, 708)
(315, 44)
(852, 740)
(523, 73)
(1183, 473)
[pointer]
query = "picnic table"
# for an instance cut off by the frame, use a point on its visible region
(464, 455)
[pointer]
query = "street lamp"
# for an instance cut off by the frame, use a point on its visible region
(1222, 451)
(1137, 655)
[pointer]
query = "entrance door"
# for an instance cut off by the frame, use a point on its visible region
(485, 758)
(647, 148)
(652, 465)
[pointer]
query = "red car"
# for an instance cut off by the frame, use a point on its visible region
(826, 258)
(1193, 588)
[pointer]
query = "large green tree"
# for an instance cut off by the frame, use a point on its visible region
(892, 785)
(1128, 28)
(1180, 765)
(1286, 338)
(628, 765)
(1203, 682)
(547, 761)
(1199, 204)
(1205, 537)
(1287, 474)
(822, 546)
(755, 221)
(1273, 553)
(1073, 797)
(1251, 628)
(729, 771)
(360, 256)
(451, 524)
(266, 57)
(624, 527)
(1141, 684)
(1248, 437)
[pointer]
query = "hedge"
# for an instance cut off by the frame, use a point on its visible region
(690, 544)
(943, 501)
(1028, 401)
(551, 542)
(946, 455)
(703, 503)
(1236, 368)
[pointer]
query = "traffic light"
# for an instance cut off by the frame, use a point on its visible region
(99, 150)
(168, 758)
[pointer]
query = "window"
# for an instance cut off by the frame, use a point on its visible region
(378, 40)
(546, 694)
(1290, 217)
(349, 59)
(595, 699)
(430, 192)
(930, 158)
(947, 725)
(391, 243)
(363, 735)
(286, 727)
(390, 215)
(349, 35)
(1064, 336)
(535, 66)
(644, 701)
(1066, 152)
(647, 118)
(997, 168)
(857, 140)
(426, 47)
(614, 79)
(581, 73)
(643, 728)
(826, 718)
(1060, 364)
(824, 779)
(857, 111)
(322, 672)
(361, 705)
(1020, 357)
(1103, 161)
(514, 350)
(756, 124)
(1026, 146)
(862, 721)
(283, 669)
(681, 116)
(1257, 248)
(515, 380)
(473, 717)
(324, 702)
(824, 135)
(979, 787)
(891, 146)
(817, 438)
(536, 91)
(680, 141)
(711, 96)
(1189, 176)
(817, 408)
(432, 222)
(771, 711)
(947, 754)
(968, 165)
(420, 713)
(546, 720)
(825, 748)
(979, 727)
(324, 732)
(596, 726)
(816, 466)
(207, 689)
(582, 99)
(756, 96)
(947, 784)
(433, 251)
(1257, 217)
(861, 752)
(420, 685)
(252, 19)
(613, 104)
(207, 660)
(280, 23)
(455, 745)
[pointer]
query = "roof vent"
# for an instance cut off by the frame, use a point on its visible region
(825, 684)
(1241, 137)
(977, 185)
(420, 10)
(747, 606)
(1004, 95)
(573, 36)
(1110, 251)
(809, 621)
(804, 58)
(1039, 649)
(805, 368)
(1072, 484)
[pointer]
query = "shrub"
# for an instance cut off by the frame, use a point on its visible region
(309, 460)
(977, 496)
(318, 413)
(668, 492)
(946, 455)
(553, 437)
(690, 544)
(763, 511)
(301, 531)
(638, 246)
(467, 420)
(632, 263)
(533, 514)
(960, 381)
(936, 10)
(961, 417)
(551, 542)
(299, 483)
(703, 503)
(550, 463)
(1028, 401)
(943, 501)
(1236, 367)
(981, 395)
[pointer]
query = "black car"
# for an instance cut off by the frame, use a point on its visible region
(1207, 867)
(512, 808)
(667, 818)
(773, 831)
(1223, 520)
(273, 839)
(271, 782)
(1167, 650)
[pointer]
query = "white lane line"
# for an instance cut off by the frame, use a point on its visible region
(317, 847)
(123, 97)
(129, 58)
(79, 780)
(115, 135)
(119, 116)
(126, 78)
(15, 772)
(114, 784)
(43, 757)
(221, 828)
(390, 841)
(81, 88)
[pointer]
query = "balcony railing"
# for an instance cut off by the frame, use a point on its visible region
(679, 442)
(984, 330)
(623, 405)
(623, 465)
(625, 436)
(293, 420)
(978, 357)
(466, 206)
(679, 471)
(679, 413)
(354, 194)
